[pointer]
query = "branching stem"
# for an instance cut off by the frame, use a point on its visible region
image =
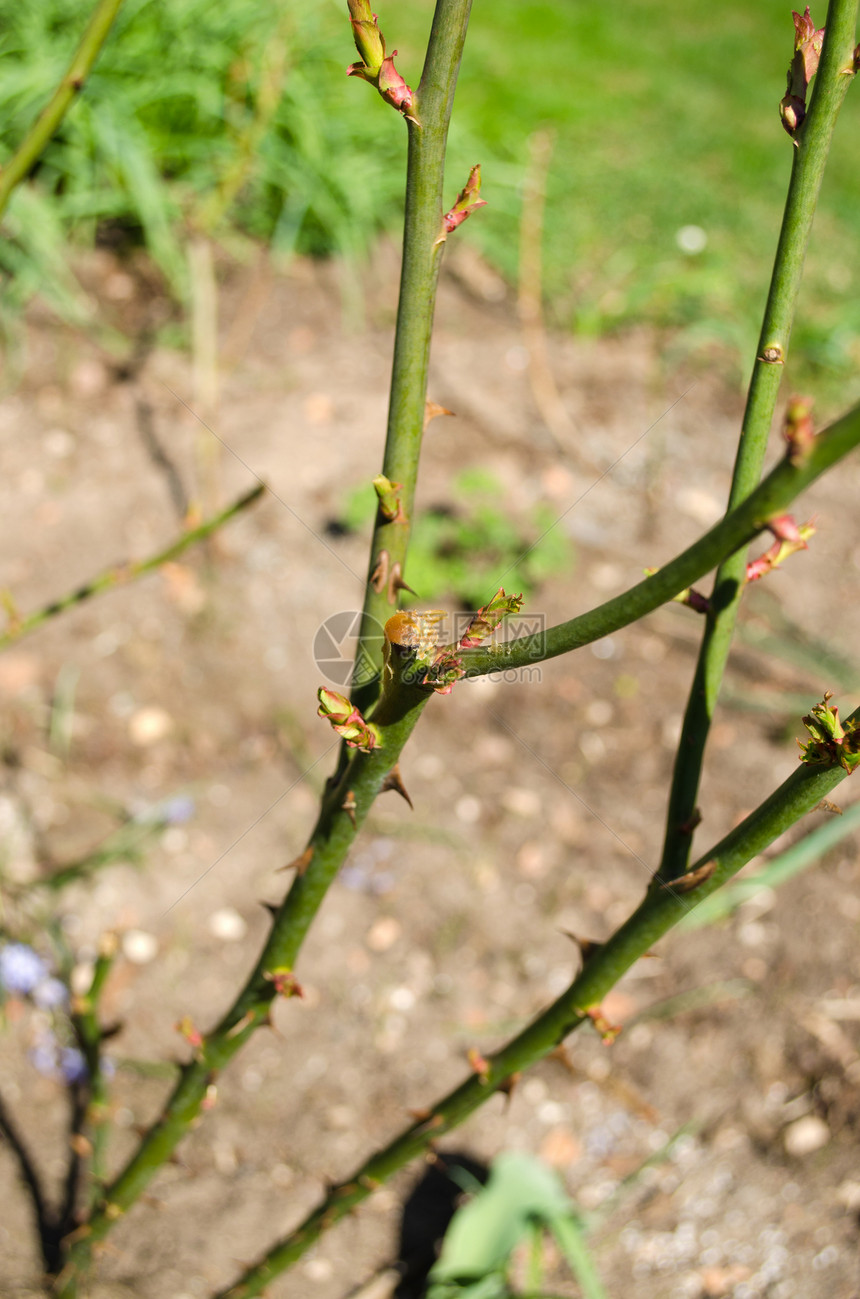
(661, 909)
(422, 258)
(810, 157)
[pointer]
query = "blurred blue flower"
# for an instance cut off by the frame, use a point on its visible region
(175, 810)
(50, 993)
(62, 1063)
(21, 969)
(72, 1065)
(43, 1055)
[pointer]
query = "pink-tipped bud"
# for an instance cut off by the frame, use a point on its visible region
(487, 619)
(831, 742)
(348, 721)
(468, 200)
(284, 983)
(369, 40)
(798, 431)
(389, 501)
(394, 89)
(376, 66)
(808, 43)
(789, 538)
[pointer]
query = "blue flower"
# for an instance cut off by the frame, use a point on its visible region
(21, 969)
(72, 1065)
(50, 994)
(175, 810)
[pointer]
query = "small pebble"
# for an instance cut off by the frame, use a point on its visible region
(383, 933)
(139, 947)
(227, 925)
(468, 809)
(149, 725)
(806, 1135)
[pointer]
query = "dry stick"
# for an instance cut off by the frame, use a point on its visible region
(810, 156)
(119, 574)
(654, 917)
(33, 144)
(545, 391)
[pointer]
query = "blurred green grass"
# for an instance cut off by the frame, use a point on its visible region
(237, 120)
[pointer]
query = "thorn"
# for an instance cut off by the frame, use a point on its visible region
(270, 906)
(588, 947)
(686, 828)
(508, 1086)
(241, 1024)
(298, 864)
(826, 806)
(427, 1121)
(692, 880)
(562, 1056)
(432, 410)
(349, 806)
(395, 781)
(379, 576)
(396, 583)
(269, 1022)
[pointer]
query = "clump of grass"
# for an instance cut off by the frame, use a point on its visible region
(225, 119)
(237, 119)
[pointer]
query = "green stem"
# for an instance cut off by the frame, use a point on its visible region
(344, 807)
(86, 1022)
(119, 574)
(659, 911)
(422, 258)
(360, 777)
(737, 529)
(810, 158)
(36, 139)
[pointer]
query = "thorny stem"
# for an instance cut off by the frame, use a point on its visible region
(36, 139)
(85, 1012)
(809, 159)
(770, 499)
(345, 805)
(119, 574)
(422, 257)
(659, 911)
(359, 784)
(359, 777)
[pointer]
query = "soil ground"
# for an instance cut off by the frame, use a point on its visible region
(538, 805)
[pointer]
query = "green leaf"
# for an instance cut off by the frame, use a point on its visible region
(484, 1232)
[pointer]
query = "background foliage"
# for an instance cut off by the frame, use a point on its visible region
(223, 120)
